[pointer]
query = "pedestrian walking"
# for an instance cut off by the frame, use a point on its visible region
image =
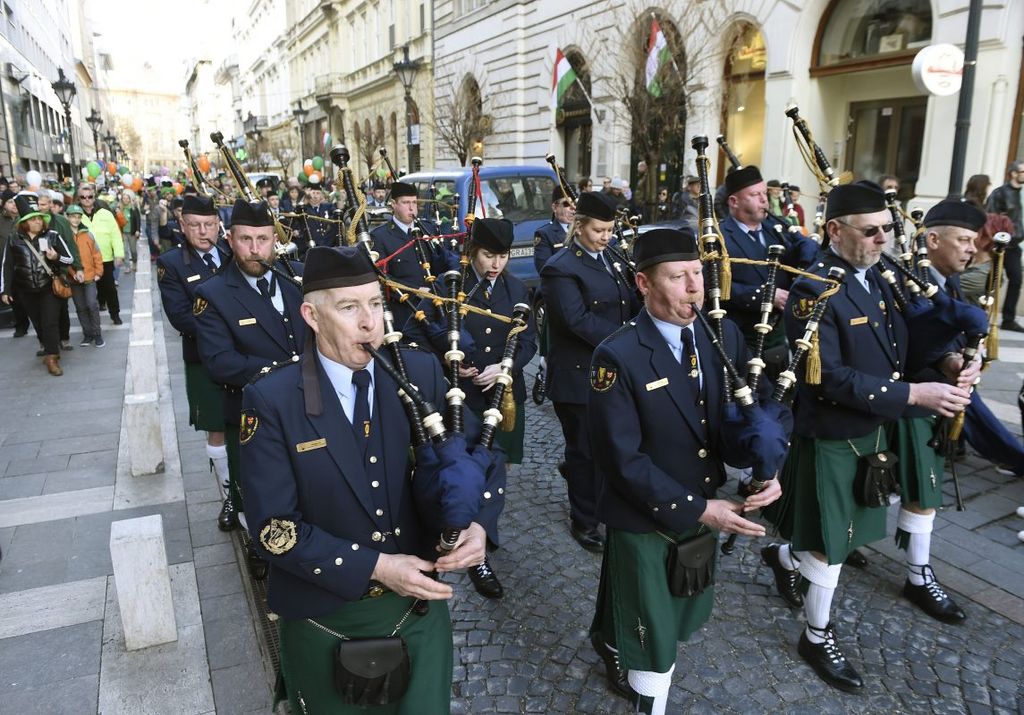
(84, 293)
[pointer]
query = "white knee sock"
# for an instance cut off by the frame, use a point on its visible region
(219, 455)
(787, 558)
(822, 579)
(652, 685)
(919, 529)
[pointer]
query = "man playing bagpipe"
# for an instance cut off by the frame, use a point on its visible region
(838, 475)
(661, 433)
(348, 528)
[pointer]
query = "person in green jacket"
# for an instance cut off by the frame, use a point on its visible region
(108, 237)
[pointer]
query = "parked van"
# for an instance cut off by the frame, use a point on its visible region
(520, 193)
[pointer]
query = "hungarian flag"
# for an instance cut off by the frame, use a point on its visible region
(563, 77)
(657, 55)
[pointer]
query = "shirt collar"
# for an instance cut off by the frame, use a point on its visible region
(671, 332)
(406, 227)
(251, 280)
(341, 375)
(743, 227)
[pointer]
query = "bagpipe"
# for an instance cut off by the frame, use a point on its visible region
(451, 477)
(283, 247)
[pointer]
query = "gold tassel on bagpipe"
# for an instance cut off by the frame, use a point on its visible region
(812, 375)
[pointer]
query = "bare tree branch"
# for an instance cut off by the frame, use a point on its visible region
(460, 119)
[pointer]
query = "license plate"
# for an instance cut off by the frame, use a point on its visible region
(524, 252)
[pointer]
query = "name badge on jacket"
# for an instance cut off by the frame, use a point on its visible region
(247, 321)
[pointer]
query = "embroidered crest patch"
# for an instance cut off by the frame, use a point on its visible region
(248, 426)
(199, 306)
(602, 378)
(160, 273)
(803, 308)
(279, 536)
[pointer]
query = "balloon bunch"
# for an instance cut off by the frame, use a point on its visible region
(311, 167)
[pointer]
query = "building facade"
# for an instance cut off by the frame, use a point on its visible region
(732, 67)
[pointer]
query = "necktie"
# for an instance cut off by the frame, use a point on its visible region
(208, 260)
(487, 290)
(758, 237)
(361, 413)
(264, 287)
(603, 262)
(690, 360)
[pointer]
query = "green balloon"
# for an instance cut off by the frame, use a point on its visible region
(123, 170)
(302, 178)
(318, 162)
(94, 169)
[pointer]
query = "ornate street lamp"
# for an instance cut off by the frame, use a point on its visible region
(65, 90)
(300, 116)
(406, 70)
(110, 139)
(95, 121)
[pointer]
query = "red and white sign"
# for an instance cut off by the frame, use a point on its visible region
(939, 69)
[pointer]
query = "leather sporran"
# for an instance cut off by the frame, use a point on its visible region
(875, 479)
(372, 671)
(691, 564)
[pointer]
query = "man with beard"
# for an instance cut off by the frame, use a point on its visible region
(247, 319)
(179, 273)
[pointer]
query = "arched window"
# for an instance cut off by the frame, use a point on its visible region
(743, 105)
(866, 34)
(393, 134)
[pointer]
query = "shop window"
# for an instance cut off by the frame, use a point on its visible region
(864, 34)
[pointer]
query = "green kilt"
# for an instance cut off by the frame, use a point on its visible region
(307, 656)
(234, 465)
(920, 466)
(511, 442)
(818, 511)
(205, 399)
(635, 611)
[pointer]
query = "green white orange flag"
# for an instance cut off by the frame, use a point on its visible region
(562, 78)
(657, 55)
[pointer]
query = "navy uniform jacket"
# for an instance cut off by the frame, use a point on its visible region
(655, 449)
(321, 233)
(488, 335)
(744, 304)
(179, 272)
(240, 333)
(548, 240)
(297, 468)
(405, 267)
(585, 304)
(863, 344)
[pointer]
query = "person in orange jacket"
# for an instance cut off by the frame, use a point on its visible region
(84, 294)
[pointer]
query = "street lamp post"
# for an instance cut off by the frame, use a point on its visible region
(406, 70)
(300, 116)
(95, 121)
(65, 90)
(109, 139)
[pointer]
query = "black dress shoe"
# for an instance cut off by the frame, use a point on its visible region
(485, 580)
(257, 566)
(228, 518)
(857, 559)
(933, 600)
(20, 332)
(116, 320)
(617, 679)
(829, 662)
(1012, 325)
(787, 582)
(589, 539)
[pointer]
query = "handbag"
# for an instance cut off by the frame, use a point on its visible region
(58, 285)
(875, 478)
(371, 671)
(691, 564)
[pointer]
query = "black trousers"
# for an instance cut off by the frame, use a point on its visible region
(579, 464)
(43, 309)
(1011, 263)
(108, 291)
(20, 315)
(65, 322)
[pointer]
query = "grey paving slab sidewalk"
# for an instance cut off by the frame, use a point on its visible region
(59, 628)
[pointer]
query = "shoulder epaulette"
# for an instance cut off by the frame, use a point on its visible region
(266, 370)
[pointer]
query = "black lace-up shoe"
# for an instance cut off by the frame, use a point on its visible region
(228, 518)
(787, 582)
(617, 679)
(485, 580)
(933, 599)
(829, 662)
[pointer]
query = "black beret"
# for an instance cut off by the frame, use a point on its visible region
(493, 234)
(265, 181)
(665, 244)
(596, 205)
(199, 205)
(774, 184)
(400, 189)
(378, 185)
(342, 267)
(6, 196)
(861, 197)
(251, 214)
(176, 203)
(955, 212)
(739, 179)
(556, 194)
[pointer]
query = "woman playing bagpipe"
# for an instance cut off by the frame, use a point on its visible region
(347, 521)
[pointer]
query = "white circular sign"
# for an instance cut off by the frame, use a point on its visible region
(939, 69)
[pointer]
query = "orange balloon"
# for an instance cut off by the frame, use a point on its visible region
(179, 188)
(308, 169)
(204, 164)
(111, 168)
(137, 184)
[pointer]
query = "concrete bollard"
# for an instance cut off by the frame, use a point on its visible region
(145, 443)
(143, 582)
(142, 366)
(142, 321)
(142, 278)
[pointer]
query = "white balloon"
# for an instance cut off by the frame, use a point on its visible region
(127, 179)
(34, 178)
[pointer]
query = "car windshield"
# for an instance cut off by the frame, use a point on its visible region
(436, 198)
(517, 198)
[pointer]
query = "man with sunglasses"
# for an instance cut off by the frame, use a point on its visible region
(101, 222)
(847, 422)
(549, 238)
(1006, 200)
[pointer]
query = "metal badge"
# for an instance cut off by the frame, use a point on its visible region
(279, 536)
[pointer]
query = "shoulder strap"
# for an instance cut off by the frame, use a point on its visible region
(42, 261)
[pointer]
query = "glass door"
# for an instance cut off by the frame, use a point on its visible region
(886, 138)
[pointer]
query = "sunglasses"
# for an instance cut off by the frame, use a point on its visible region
(563, 204)
(85, 196)
(870, 230)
